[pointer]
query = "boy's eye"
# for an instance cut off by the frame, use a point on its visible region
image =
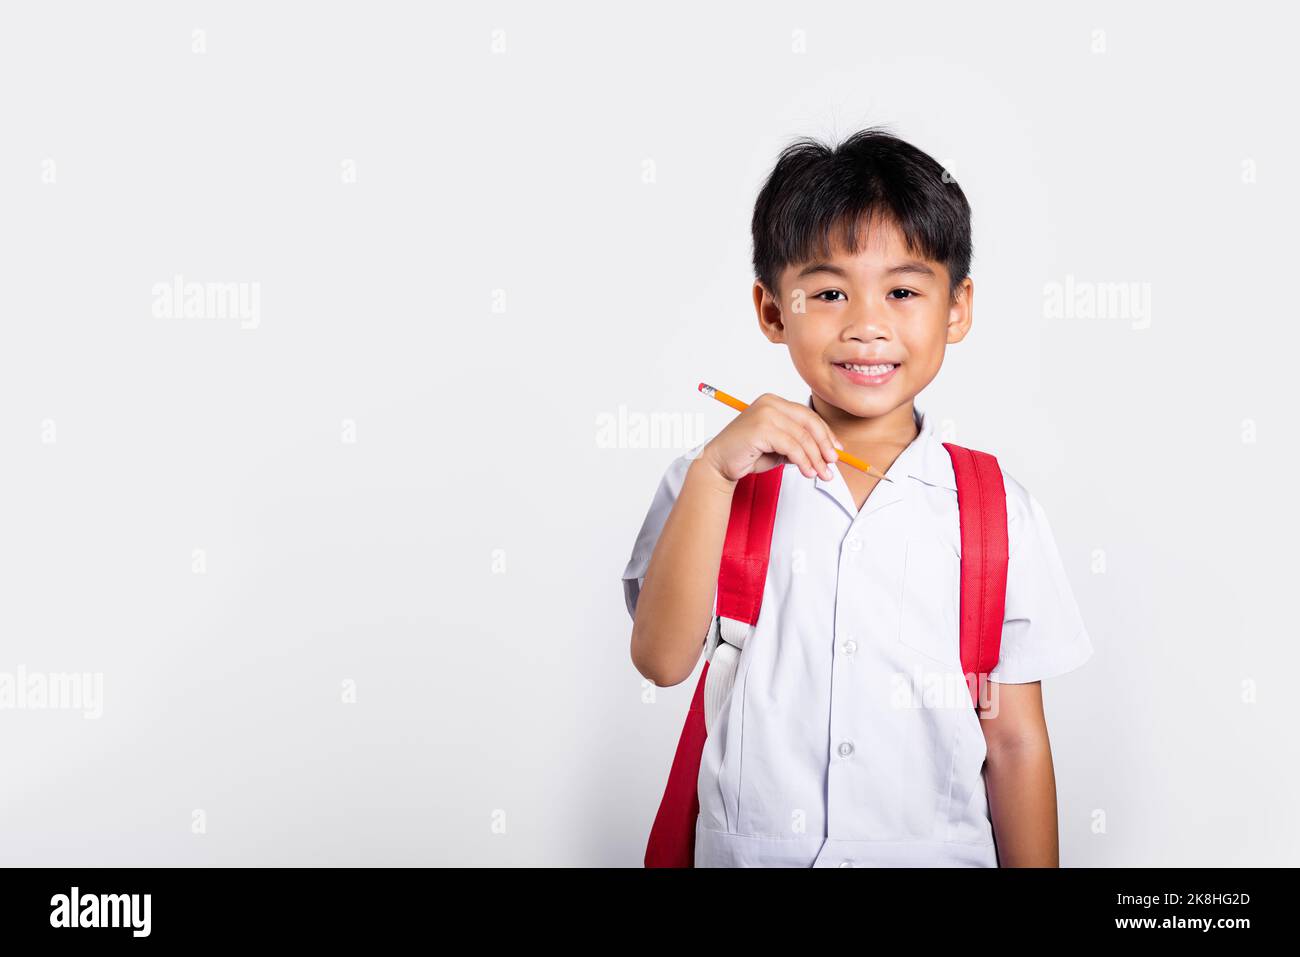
(906, 294)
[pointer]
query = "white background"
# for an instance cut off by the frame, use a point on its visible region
(1161, 150)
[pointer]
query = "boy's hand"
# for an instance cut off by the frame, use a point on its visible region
(771, 432)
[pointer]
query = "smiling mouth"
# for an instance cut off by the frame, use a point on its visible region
(879, 368)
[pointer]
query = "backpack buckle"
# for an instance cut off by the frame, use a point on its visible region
(726, 630)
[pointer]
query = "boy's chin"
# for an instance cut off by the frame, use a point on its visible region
(855, 400)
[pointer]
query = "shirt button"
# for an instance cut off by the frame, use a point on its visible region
(846, 748)
(846, 863)
(849, 647)
(854, 543)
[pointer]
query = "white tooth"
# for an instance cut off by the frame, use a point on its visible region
(870, 370)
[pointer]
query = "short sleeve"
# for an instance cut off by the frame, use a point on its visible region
(1043, 634)
(661, 506)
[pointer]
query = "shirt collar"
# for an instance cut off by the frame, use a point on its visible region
(925, 460)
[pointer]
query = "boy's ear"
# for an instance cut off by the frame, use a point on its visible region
(769, 313)
(960, 313)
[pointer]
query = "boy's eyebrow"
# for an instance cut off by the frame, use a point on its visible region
(907, 266)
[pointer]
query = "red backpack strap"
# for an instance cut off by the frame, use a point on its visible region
(982, 502)
(743, 571)
(741, 577)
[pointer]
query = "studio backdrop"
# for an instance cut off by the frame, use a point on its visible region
(344, 346)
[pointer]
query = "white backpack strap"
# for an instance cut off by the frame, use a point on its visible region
(722, 650)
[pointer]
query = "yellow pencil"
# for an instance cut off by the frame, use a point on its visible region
(740, 406)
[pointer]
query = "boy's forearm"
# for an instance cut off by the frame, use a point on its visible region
(1022, 802)
(675, 606)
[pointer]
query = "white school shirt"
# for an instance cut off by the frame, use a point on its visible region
(849, 737)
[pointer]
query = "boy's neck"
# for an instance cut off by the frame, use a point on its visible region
(895, 430)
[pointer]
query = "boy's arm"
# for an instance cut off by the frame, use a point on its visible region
(1019, 778)
(675, 603)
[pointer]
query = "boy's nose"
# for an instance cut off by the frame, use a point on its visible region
(867, 322)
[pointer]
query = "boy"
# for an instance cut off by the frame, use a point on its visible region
(829, 750)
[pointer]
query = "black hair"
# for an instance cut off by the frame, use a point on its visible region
(871, 176)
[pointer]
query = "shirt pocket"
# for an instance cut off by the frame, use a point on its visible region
(930, 619)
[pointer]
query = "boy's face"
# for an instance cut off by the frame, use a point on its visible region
(883, 306)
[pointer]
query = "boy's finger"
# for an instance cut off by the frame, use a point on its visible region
(821, 452)
(816, 455)
(821, 432)
(793, 448)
